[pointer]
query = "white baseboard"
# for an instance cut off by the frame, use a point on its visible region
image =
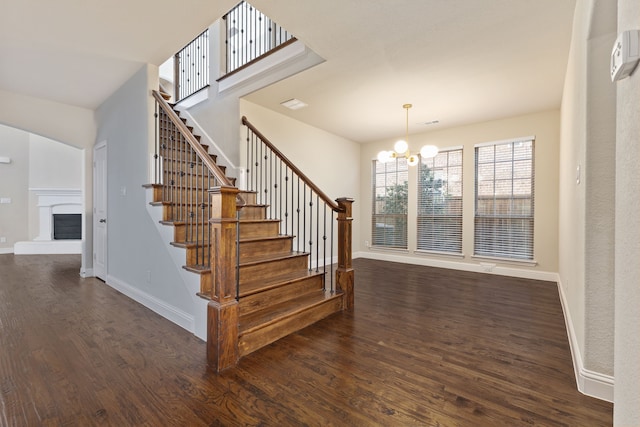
(588, 382)
(169, 312)
(500, 270)
(6, 250)
(591, 383)
(42, 247)
(87, 272)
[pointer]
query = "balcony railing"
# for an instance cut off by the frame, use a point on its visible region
(250, 34)
(191, 67)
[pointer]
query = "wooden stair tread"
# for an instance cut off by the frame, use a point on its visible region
(187, 245)
(202, 221)
(253, 221)
(198, 269)
(260, 284)
(262, 318)
(264, 239)
(270, 257)
(167, 203)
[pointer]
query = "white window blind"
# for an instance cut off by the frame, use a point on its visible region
(390, 192)
(440, 202)
(504, 199)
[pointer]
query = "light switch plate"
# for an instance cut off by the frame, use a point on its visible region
(5, 200)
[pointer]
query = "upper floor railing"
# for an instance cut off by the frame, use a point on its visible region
(250, 34)
(191, 67)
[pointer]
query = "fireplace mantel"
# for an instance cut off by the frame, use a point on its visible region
(53, 201)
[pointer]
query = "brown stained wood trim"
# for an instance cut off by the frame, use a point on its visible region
(204, 156)
(259, 58)
(332, 204)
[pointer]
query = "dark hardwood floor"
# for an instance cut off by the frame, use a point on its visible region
(424, 347)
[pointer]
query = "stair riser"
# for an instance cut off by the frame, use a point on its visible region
(264, 247)
(261, 300)
(193, 232)
(253, 212)
(181, 213)
(251, 342)
(179, 195)
(259, 229)
(189, 179)
(249, 197)
(267, 270)
(187, 167)
(206, 284)
(176, 144)
(202, 252)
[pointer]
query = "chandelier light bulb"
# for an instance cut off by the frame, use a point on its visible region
(401, 146)
(412, 160)
(428, 151)
(384, 156)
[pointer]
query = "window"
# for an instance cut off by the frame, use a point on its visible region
(504, 199)
(390, 191)
(440, 202)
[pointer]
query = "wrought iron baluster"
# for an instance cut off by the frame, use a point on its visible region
(317, 232)
(324, 245)
(286, 201)
(279, 184)
(332, 236)
(298, 218)
(304, 218)
(248, 163)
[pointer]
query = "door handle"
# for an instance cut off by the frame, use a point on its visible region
(103, 220)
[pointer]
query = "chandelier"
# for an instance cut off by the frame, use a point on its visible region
(401, 148)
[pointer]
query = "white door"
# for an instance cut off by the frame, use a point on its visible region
(100, 211)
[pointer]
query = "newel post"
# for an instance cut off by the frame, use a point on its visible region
(344, 273)
(222, 311)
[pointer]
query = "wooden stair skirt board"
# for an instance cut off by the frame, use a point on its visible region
(279, 294)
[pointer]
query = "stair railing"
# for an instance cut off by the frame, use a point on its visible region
(305, 211)
(250, 35)
(186, 172)
(191, 67)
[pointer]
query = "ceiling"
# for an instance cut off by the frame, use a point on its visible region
(456, 61)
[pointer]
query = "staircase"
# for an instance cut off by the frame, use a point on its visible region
(260, 288)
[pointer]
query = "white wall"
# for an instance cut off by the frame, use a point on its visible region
(51, 165)
(139, 263)
(71, 125)
(14, 184)
(627, 237)
(330, 161)
(586, 258)
(545, 127)
(36, 162)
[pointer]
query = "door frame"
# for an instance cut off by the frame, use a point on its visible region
(99, 146)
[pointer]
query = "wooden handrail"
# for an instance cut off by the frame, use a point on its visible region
(204, 156)
(259, 58)
(332, 204)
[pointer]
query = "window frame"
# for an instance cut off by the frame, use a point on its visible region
(507, 234)
(398, 241)
(431, 241)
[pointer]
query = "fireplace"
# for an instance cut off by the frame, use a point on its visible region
(67, 226)
(61, 209)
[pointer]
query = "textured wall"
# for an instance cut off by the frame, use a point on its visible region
(627, 246)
